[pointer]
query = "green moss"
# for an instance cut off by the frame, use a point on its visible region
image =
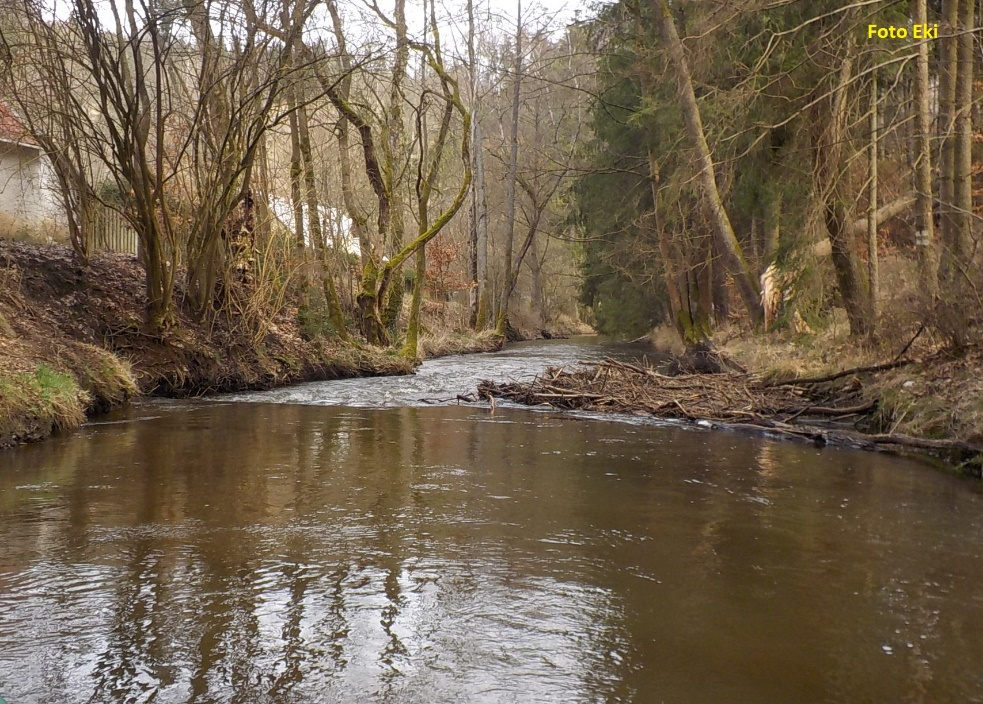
(33, 404)
(55, 386)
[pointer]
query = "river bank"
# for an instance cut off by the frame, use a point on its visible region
(923, 404)
(73, 344)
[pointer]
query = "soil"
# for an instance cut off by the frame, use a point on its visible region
(57, 313)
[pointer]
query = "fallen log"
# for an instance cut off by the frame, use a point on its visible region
(869, 369)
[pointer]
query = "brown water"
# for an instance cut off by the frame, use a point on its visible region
(303, 552)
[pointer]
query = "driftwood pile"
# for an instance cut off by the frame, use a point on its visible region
(826, 410)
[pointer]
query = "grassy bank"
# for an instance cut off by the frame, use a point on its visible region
(937, 393)
(73, 343)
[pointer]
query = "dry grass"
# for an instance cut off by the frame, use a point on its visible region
(35, 398)
(48, 385)
(940, 396)
(445, 342)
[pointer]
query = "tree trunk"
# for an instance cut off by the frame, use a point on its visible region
(690, 320)
(951, 247)
(503, 311)
(723, 229)
(773, 224)
(872, 274)
(925, 239)
(477, 192)
(394, 155)
(829, 149)
(963, 148)
(480, 235)
(413, 324)
(536, 295)
(316, 230)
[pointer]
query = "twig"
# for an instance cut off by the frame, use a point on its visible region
(910, 342)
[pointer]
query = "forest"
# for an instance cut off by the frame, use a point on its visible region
(787, 187)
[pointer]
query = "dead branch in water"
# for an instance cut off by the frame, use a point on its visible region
(733, 399)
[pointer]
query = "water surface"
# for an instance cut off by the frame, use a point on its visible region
(344, 542)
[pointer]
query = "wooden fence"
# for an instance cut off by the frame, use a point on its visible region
(111, 233)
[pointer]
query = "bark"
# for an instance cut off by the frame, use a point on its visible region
(338, 93)
(872, 273)
(331, 300)
(773, 224)
(536, 294)
(690, 318)
(510, 194)
(963, 148)
(829, 154)
(296, 173)
(478, 226)
(480, 231)
(948, 68)
(927, 255)
(393, 156)
(723, 229)
(884, 213)
(413, 324)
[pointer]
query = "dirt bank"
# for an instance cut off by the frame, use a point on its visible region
(73, 342)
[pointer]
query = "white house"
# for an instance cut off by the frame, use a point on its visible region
(29, 194)
(335, 224)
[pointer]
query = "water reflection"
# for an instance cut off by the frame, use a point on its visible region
(281, 553)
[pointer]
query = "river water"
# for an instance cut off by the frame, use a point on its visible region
(347, 542)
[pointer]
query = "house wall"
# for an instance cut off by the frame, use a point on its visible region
(28, 190)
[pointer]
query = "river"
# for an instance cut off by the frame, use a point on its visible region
(347, 542)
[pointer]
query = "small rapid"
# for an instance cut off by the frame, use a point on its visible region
(441, 380)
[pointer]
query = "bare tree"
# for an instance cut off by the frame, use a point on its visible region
(928, 257)
(502, 325)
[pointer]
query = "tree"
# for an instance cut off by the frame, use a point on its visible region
(724, 231)
(502, 326)
(928, 257)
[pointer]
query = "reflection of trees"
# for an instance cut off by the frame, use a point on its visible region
(277, 551)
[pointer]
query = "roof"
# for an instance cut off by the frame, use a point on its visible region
(12, 129)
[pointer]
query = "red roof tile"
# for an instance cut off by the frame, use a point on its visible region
(11, 129)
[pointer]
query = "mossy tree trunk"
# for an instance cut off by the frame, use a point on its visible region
(723, 230)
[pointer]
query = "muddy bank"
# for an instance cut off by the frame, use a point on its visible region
(73, 343)
(846, 408)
